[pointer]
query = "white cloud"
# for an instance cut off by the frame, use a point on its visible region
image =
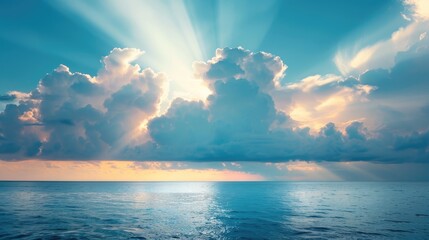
(419, 9)
(74, 115)
(114, 115)
(309, 83)
(382, 54)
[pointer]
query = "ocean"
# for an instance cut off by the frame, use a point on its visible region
(214, 210)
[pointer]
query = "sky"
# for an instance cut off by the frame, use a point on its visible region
(214, 90)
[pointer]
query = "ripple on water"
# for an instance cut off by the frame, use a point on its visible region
(318, 229)
(396, 221)
(370, 234)
(315, 216)
(422, 215)
(398, 230)
(220, 211)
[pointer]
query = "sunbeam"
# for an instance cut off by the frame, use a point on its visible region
(137, 101)
(252, 22)
(169, 35)
(163, 27)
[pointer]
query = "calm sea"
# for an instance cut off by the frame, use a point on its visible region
(214, 210)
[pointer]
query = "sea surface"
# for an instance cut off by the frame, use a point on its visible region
(214, 210)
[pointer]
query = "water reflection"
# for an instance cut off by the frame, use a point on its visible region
(206, 210)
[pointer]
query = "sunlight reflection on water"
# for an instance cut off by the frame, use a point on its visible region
(208, 210)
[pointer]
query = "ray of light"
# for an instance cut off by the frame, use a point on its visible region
(162, 28)
(304, 171)
(171, 36)
(251, 23)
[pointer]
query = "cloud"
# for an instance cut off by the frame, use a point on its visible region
(249, 115)
(419, 9)
(76, 116)
(398, 96)
(240, 120)
(7, 97)
(316, 100)
(383, 54)
(13, 96)
(261, 68)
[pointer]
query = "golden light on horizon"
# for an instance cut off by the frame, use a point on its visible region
(37, 170)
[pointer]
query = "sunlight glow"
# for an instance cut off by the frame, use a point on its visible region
(114, 171)
(305, 171)
(311, 82)
(169, 38)
(362, 57)
(356, 58)
(229, 20)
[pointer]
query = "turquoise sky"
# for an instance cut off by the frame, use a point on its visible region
(273, 90)
(305, 34)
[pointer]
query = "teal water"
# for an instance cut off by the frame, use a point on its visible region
(214, 210)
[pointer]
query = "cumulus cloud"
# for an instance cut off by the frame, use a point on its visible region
(249, 115)
(76, 116)
(240, 119)
(316, 100)
(419, 9)
(261, 68)
(398, 97)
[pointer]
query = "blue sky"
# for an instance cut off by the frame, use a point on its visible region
(43, 34)
(310, 85)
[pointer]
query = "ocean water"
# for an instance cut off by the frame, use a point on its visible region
(214, 210)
